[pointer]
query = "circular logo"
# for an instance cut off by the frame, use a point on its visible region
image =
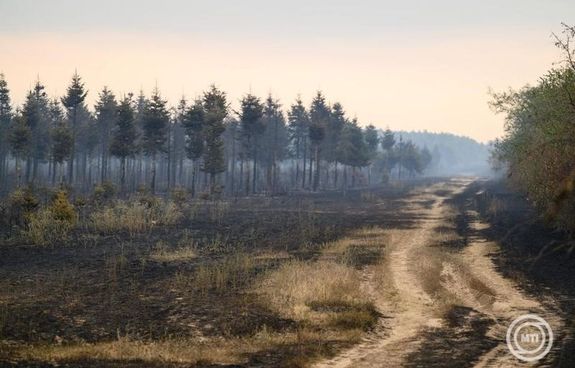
(529, 337)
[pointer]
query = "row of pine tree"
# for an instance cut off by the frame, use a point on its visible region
(140, 142)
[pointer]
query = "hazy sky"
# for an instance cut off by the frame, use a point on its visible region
(406, 64)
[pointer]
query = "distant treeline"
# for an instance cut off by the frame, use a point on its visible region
(139, 143)
(538, 150)
(452, 154)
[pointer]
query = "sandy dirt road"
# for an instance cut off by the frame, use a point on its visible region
(442, 306)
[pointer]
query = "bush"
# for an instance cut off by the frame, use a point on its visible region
(62, 209)
(52, 224)
(104, 192)
(21, 204)
(179, 195)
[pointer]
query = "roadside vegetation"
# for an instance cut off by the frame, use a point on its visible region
(538, 149)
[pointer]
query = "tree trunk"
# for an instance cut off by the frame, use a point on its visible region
(153, 185)
(335, 176)
(317, 171)
(304, 163)
(233, 168)
(123, 175)
(212, 183)
(54, 169)
(18, 174)
(240, 184)
(73, 150)
(254, 173)
(194, 170)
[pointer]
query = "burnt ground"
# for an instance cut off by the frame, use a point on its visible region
(96, 288)
(530, 253)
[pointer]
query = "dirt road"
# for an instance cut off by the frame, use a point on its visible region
(443, 302)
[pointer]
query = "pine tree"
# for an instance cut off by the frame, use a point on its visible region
(335, 126)
(36, 115)
(194, 122)
(231, 138)
(62, 141)
(425, 157)
(73, 102)
(155, 125)
(124, 136)
(5, 124)
(106, 114)
(253, 128)
(87, 143)
(216, 110)
(352, 150)
(179, 142)
(20, 139)
(319, 117)
(372, 143)
(298, 120)
(388, 143)
(275, 140)
(140, 109)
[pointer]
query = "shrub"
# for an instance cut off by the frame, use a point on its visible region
(62, 209)
(104, 192)
(21, 204)
(52, 224)
(179, 195)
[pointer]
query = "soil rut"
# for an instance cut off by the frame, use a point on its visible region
(425, 283)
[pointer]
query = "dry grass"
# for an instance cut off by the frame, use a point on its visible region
(323, 293)
(134, 217)
(44, 229)
(162, 252)
(223, 351)
(229, 350)
(365, 246)
(217, 210)
(228, 274)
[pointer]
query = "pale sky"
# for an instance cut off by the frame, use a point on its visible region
(409, 65)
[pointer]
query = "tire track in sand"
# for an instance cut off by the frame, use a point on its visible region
(423, 281)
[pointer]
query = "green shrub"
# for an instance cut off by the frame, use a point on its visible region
(21, 204)
(62, 209)
(52, 224)
(104, 192)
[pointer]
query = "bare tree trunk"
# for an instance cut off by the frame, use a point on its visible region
(241, 175)
(304, 163)
(254, 173)
(233, 168)
(335, 176)
(54, 169)
(194, 170)
(317, 171)
(18, 173)
(153, 185)
(123, 175)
